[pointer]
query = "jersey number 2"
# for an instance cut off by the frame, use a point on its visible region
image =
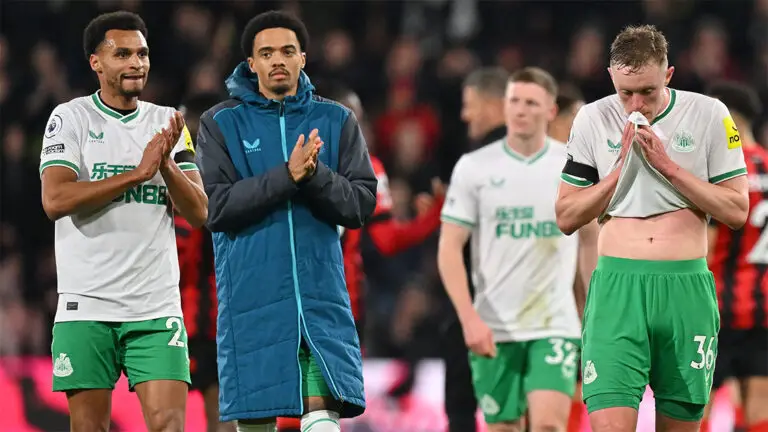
(171, 323)
(759, 252)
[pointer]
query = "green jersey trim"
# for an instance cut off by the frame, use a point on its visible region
(668, 109)
(530, 160)
(574, 181)
(727, 176)
(60, 162)
(112, 113)
(187, 166)
(457, 221)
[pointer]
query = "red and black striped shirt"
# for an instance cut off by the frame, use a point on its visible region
(740, 258)
(198, 280)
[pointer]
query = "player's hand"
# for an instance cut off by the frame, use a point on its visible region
(303, 159)
(478, 336)
(626, 141)
(173, 132)
(153, 157)
(423, 203)
(438, 188)
(654, 150)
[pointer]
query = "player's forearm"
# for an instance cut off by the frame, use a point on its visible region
(577, 209)
(69, 198)
(453, 272)
(188, 198)
(235, 206)
(724, 204)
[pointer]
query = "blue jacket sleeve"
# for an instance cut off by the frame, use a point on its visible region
(235, 203)
(346, 197)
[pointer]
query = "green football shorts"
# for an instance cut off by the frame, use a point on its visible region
(502, 383)
(312, 380)
(92, 354)
(650, 322)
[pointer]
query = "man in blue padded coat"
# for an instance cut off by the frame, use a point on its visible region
(283, 169)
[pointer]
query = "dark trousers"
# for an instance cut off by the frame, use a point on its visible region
(460, 402)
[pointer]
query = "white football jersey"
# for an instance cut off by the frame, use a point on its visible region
(523, 267)
(696, 130)
(118, 263)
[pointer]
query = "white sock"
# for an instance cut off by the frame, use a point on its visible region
(320, 421)
(269, 427)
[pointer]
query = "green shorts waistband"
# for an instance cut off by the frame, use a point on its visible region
(626, 265)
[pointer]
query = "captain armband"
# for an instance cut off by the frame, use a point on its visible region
(579, 174)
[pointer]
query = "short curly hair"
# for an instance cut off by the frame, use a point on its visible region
(269, 20)
(96, 30)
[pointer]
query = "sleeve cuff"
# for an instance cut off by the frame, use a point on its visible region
(319, 178)
(728, 175)
(59, 162)
(457, 221)
(575, 181)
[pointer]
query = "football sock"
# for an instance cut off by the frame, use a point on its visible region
(320, 421)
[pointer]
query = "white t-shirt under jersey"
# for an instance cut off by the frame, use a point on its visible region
(696, 130)
(523, 267)
(118, 263)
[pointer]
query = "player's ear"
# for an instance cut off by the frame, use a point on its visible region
(251, 64)
(668, 77)
(95, 63)
(303, 59)
(553, 112)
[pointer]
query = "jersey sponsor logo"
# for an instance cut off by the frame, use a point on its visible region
(590, 373)
(142, 194)
(102, 170)
(683, 142)
(732, 133)
(614, 148)
(62, 366)
(54, 126)
(145, 194)
(254, 146)
(53, 149)
(520, 223)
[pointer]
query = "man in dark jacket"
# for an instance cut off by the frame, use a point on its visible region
(287, 344)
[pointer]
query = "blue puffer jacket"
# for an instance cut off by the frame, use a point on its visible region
(279, 268)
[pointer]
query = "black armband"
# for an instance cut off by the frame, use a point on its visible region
(581, 170)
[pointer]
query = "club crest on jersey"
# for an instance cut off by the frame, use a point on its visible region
(682, 142)
(54, 126)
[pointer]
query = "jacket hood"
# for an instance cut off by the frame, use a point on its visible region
(243, 85)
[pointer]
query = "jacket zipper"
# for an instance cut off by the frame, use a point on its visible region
(294, 269)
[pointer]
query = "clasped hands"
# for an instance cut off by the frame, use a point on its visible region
(303, 160)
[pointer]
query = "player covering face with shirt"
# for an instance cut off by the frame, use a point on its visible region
(653, 164)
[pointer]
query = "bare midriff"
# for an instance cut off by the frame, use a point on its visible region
(678, 235)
